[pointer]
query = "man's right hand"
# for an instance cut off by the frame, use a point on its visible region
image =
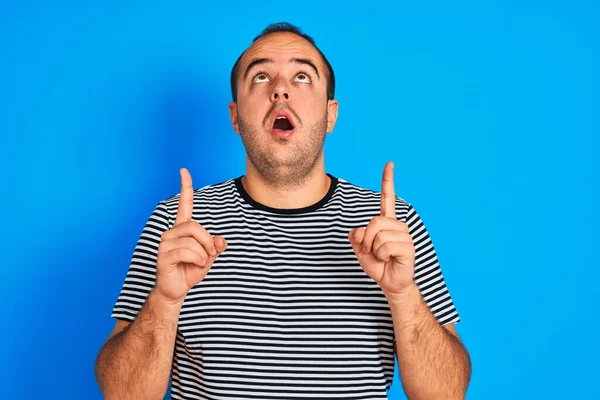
(186, 251)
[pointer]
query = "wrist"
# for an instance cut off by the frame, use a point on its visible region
(405, 297)
(169, 308)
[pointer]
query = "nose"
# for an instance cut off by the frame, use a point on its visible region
(281, 91)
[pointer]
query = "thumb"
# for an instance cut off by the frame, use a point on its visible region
(356, 237)
(220, 244)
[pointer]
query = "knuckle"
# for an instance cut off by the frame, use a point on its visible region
(187, 242)
(378, 220)
(386, 246)
(190, 242)
(376, 239)
(194, 227)
(194, 224)
(184, 226)
(180, 254)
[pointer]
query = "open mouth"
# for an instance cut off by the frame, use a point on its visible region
(282, 125)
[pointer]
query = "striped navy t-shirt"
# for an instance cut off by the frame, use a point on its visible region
(286, 312)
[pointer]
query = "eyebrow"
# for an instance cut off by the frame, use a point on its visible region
(302, 61)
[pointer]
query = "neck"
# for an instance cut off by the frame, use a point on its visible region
(298, 195)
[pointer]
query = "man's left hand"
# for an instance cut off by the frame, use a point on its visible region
(384, 248)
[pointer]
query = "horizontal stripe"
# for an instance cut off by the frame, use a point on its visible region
(286, 312)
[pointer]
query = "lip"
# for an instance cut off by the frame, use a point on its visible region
(281, 132)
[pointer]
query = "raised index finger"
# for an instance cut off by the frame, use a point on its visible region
(388, 196)
(186, 198)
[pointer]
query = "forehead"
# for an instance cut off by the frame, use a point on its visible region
(282, 46)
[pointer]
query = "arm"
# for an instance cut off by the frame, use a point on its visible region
(136, 362)
(399, 256)
(433, 362)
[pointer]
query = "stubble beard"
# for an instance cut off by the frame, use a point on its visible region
(299, 162)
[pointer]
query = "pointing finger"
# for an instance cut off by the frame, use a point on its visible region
(186, 198)
(388, 196)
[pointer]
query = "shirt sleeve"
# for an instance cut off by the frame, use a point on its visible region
(141, 276)
(428, 274)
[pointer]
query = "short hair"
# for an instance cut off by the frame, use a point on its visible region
(284, 27)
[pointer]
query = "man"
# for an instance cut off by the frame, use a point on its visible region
(287, 282)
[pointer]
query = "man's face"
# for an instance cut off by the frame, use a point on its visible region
(282, 112)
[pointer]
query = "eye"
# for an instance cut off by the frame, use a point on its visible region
(302, 77)
(260, 77)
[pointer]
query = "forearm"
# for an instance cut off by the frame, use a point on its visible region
(433, 363)
(136, 362)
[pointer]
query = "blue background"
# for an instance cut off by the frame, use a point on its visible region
(490, 111)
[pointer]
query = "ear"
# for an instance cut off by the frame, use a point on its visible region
(233, 115)
(332, 112)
